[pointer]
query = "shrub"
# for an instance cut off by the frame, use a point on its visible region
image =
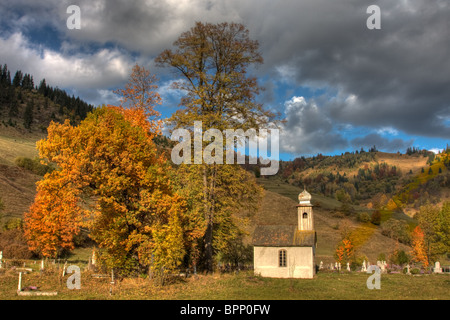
(400, 258)
(14, 245)
(381, 257)
(13, 223)
(363, 217)
(396, 229)
(346, 209)
(415, 271)
(33, 165)
(376, 217)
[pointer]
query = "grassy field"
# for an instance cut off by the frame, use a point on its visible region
(242, 286)
(12, 147)
(17, 185)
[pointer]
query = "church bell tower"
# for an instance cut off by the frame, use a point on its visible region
(305, 212)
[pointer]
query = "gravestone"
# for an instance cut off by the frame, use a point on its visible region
(437, 267)
(64, 269)
(94, 257)
(348, 267)
(19, 286)
(407, 269)
(363, 268)
(321, 265)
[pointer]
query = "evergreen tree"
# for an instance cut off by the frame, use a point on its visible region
(43, 88)
(28, 115)
(17, 81)
(13, 108)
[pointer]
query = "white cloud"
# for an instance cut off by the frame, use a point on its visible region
(436, 150)
(100, 70)
(387, 131)
(167, 91)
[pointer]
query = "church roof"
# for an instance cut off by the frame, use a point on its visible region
(304, 197)
(283, 236)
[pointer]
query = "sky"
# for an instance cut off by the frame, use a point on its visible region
(339, 84)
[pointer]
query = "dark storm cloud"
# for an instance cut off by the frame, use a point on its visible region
(398, 76)
(395, 77)
(308, 130)
(381, 143)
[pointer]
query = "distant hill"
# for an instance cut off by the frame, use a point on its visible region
(371, 179)
(26, 111)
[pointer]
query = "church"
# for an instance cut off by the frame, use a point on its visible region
(287, 249)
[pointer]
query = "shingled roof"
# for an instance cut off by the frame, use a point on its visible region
(283, 236)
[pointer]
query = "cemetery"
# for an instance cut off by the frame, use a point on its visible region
(51, 279)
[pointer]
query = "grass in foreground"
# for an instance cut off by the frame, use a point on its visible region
(243, 286)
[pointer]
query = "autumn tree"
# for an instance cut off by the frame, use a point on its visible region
(213, 61)
(55, 217)
(139, 98)
(345, 251)
(418, 246)
(435, 224)
(236, 198)
(112, 170)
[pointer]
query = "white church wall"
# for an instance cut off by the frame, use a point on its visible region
(299, 262)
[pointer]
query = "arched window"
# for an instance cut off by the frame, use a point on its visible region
(305, 221)
(282, 258)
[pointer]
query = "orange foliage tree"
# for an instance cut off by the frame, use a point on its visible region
(55, 217)
(112, 179)
(344, 251)
(418, 246)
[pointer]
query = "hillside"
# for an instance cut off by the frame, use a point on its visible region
(25, 113)
(371, 179)
(280, 203)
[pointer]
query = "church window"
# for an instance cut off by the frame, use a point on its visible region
(282, 258)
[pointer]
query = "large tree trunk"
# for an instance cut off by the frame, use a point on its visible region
(209, 197)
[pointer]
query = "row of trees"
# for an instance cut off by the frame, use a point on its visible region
(13, 93)
(145, 214)
(369, 181)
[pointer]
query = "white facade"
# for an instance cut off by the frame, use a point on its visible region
(299, 262)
